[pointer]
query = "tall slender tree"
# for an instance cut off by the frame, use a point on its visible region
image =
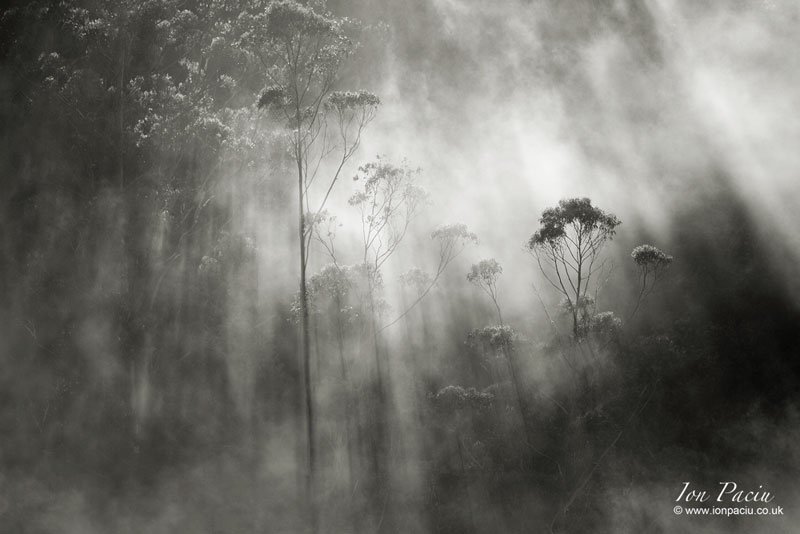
(651, 263)
(567, 248)
(302, 52)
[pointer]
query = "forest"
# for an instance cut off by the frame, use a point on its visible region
(436, 266)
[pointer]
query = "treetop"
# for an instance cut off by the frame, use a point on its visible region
(454, 231)
(343, 100)
(485, 271)
(287, 18)
(573, 211)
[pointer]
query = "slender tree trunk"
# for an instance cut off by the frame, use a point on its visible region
(306, 351)
(521, 404)
(376, 347)
(575, 321)
(121, 113)
(347, 410)
(380, 449)
(640, 297)
(465, 475)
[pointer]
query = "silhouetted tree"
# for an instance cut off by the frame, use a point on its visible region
(651, 263)
(567, 246)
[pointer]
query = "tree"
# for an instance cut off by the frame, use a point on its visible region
(302, 52)
(122, 117)
(651, 263)
(484, 275)
(492, 340)
(330, 290)
(388, 202)
(567, 246)
(452, 239)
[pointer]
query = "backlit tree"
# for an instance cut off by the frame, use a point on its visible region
(484, 275)
(302, 52)
(651, 263)
(567, 248)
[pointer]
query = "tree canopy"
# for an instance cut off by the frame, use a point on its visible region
(567, 247)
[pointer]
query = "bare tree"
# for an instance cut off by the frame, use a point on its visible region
(567, 247)
(324, 225)
(329, 293)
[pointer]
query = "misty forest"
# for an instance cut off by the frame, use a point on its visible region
(435, 266)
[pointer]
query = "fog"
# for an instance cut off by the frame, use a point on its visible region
(151, 323)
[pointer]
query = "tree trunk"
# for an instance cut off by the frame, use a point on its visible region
(306, 354)
(347, 411)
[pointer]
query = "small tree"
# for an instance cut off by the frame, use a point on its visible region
(567, 246)
(651, 263)
(485, 275)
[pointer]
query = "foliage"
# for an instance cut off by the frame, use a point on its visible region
(493, 337)
(485, 275)
(651, 263)
(302, 51)
(132, 286)
(389, 200)
(604, 324)
(125, 122)
(569, 241)
(342, 101)
(332, 281)
(452, 239)
(574, 215)
(273, 97)
(585, 305)
(368, 271)
(323, 227)
(452, 234)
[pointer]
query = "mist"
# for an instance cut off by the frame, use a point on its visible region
(166, 372)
